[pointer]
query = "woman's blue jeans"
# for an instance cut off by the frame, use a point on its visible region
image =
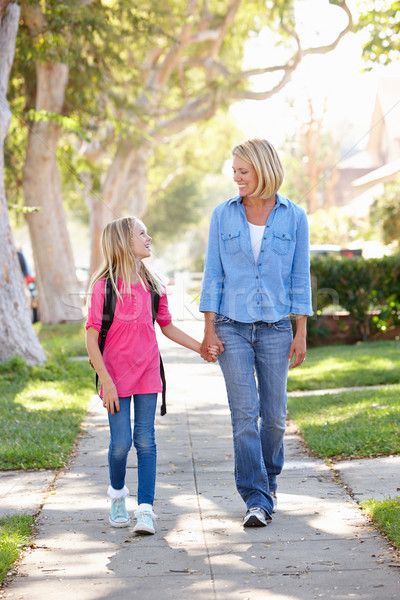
(143, 440)
(255, 368)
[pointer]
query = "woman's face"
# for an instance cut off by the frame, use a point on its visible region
(245, 176)
(141, 241)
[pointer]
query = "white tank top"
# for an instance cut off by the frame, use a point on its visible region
(256, 236)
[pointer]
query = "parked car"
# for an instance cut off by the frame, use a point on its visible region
(332, 249)
(31, 288)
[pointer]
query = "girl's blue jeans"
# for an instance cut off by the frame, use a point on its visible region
(255, 368)
(143, 440)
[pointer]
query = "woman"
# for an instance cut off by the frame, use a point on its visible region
(257, 272)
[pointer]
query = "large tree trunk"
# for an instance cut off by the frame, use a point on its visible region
(17, 335)
(55, 270)
(124, 192)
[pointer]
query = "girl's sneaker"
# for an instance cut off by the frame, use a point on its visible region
(145, 515)
(119, 515)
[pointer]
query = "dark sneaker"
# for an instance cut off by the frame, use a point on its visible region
(274, 499)
(256, 517)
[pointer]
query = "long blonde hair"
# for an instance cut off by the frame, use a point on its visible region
(119, 260)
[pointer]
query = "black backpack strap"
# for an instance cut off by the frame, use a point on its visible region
(110, 300)
(155, 302)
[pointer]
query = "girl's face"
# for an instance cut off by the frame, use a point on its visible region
(245, 176)
(141, 241)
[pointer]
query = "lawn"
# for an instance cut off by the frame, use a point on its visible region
(15, 533)
(352, 424)
(364, 363)
(41, 408)
(386, 515)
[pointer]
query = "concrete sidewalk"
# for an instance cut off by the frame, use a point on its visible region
(319, 544)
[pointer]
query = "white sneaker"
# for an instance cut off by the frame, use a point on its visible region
(118, 515)
(145, 515)
(256, 517)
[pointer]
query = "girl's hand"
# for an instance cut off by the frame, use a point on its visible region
(214, 351)
(110, 398)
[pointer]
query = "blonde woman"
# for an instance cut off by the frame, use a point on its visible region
(256, 274)
(129, 368)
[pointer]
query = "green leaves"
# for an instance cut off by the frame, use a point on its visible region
(360, 286)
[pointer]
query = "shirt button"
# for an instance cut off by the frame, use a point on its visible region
(258, 290)
(256, 276)
(262, 250)
(259, 264)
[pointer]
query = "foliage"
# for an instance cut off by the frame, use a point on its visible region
(385, 213)
(311, 155)
(41, 408)
(15, 533)
(341, 365)
(181, 175)
(381, 19)
(331, 224)
(360, 286)
(355, 424)
(386, 515)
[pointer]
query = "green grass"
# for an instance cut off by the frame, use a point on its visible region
(386, 515)
(364, 363)
(15, 533)
(67, 339)
(41, 408)
(349, 424)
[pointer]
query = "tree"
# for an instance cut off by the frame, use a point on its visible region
(52, 252)
(312, 156)
(192, 71)
(381, 19)
(17, 334)
(385, 213)
(172, 74)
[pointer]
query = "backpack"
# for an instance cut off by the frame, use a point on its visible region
(110, 300)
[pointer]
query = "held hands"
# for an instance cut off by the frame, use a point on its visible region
(211, 347)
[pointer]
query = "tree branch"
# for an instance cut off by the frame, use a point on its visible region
(292, 64)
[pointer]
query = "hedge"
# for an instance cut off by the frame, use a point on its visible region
(369, 289)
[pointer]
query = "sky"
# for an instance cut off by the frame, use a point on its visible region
(338, 78)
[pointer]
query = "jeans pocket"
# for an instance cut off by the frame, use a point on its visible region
(221, 319)
(283, 325)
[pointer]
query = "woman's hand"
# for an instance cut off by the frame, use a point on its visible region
(110, 398)
(298, 348)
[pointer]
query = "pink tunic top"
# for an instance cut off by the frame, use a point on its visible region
(131, 353)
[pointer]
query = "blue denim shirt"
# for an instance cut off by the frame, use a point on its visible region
(268, 289)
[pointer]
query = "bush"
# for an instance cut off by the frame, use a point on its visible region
(369, 289)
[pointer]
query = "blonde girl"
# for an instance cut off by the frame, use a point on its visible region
(129, 368)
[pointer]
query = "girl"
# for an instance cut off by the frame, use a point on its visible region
(129, 367)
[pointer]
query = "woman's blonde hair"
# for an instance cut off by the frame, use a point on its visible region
(119, 260)
(266, 162)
